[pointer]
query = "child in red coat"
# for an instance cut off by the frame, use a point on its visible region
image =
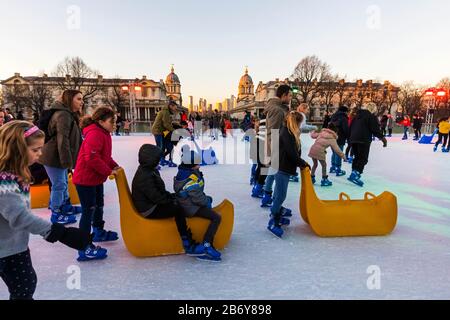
(94, 166)
(406, 122)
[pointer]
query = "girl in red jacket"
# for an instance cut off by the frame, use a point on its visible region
(406, 122)
(94, 165)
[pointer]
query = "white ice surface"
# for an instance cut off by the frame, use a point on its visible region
(414, 260)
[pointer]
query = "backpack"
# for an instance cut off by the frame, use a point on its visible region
(44, 122)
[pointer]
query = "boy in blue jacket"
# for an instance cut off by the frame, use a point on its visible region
(189, 190)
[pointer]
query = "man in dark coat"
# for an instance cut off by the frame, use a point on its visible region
(417, 126)
(363, 127)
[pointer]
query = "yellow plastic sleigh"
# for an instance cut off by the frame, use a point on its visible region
(372, 216)
(40, 195)
(149, 238)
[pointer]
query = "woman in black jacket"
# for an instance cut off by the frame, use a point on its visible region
(288, 155)
(151, 198)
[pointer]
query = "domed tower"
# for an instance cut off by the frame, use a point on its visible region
(173, 86)
(246, 87)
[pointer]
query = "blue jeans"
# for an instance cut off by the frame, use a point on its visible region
(268, 186)
(159, 138)
(92, 203)
(405, 132)
(336, 161)
(60, 182)
(279, 195)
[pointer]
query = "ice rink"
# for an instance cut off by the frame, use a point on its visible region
(414, 261)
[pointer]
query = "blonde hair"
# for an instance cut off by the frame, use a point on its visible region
(293, 121)
(14, 148)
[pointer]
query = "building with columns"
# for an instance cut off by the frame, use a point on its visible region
(325, 97)
(151, 97)
(246, 91)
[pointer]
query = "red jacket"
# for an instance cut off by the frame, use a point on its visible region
(406, 122)
(94, 163)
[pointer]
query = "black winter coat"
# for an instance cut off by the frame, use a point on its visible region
(417, 122)
(340, 120)
(148, 189)
(363, 127)
(288, 153)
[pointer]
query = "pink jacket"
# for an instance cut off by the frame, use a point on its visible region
(326, 138)
(94, 163)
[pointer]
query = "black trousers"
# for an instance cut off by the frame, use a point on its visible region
(213, 226)
(164, 211)
(361, 151)
(19, 276)
(442, 136)
(417, 133)
(92, 203)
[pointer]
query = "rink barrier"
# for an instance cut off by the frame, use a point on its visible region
(150, 238)
(371, 216)
(40, 194)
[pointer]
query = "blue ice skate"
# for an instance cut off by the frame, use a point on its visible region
(285, 212)
(355, 178)
(101, 235)
(92, 253)
(275, 229)
(267, 200)
(60, 218)
(258, 191)
(326, 183)
(340, 172)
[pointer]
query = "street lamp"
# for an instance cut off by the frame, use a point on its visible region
(131, 88)
(434, 95)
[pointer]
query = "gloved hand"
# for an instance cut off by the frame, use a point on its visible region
(210, 201)
(384, 142)
(71, 237)
(306, 165)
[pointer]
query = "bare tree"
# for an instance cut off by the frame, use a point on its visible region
(411, 97)
(363, 92)
(307, 74)
(444, 84)
(117, 99)
(77, 75)
(344, 94)
(16, 96)
(39, 96)
(328, 89)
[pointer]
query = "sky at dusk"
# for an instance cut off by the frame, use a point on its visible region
(210, 42)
